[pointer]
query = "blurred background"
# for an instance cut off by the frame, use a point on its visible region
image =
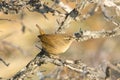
(17, 42)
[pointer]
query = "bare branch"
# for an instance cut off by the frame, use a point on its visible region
(6, 64)
(86, 35)
(76, 66)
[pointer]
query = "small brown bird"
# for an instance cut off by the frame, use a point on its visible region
(55, 43)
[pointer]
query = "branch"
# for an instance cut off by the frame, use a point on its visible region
(86, 35)
(6, 64)
(67, 8)
(41, 58)
(76, 65)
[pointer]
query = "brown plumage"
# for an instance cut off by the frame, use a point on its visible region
(55, 43)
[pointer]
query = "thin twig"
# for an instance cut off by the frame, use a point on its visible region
(6, 64)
